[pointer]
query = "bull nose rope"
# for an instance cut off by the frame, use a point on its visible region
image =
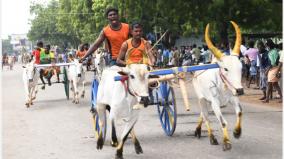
(226, 81)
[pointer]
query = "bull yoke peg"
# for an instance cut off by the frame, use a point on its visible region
(184, 93)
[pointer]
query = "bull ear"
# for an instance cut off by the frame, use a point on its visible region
(153, 76)
(122, 73)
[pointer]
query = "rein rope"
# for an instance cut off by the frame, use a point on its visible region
(126, 86)
(225, 80)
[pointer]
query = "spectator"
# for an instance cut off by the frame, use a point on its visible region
(252, 53)
(263, 67)
(272, 72)
(196, 52)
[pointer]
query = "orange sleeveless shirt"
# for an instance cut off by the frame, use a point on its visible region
(136, 55)
(116, 38)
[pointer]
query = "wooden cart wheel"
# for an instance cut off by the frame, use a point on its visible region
(66, 83)
(166, 106)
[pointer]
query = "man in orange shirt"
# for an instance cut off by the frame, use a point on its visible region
(115, 33)
(136, 50)
(81, 52)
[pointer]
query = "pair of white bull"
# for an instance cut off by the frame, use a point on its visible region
(76, 76)
(215, 87)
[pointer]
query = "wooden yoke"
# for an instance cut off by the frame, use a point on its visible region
(182, 84)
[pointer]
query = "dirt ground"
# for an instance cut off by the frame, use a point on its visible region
(252, 95)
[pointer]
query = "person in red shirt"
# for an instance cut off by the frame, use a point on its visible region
(36, 52)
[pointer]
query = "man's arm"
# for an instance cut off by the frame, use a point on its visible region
(95, 45)
(150, 54)
(121, 56)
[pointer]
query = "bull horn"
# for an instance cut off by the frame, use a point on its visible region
(218, 54)
(236, 49)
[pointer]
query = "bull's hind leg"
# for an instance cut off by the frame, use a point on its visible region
(128, 128)
(217, 110)
(114, 141)
(204, 115)
(83, 92)
(197, 132)
(238, 128)
(101, 108)
(137, 146)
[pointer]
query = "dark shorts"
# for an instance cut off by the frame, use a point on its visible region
(112, 62)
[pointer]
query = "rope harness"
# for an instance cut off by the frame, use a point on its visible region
(225, 80)
(126, 86)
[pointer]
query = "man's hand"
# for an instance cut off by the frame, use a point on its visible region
(81, 60)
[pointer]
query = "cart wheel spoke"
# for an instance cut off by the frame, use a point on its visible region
(166, 108)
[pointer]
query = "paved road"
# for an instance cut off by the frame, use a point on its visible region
(55, 128)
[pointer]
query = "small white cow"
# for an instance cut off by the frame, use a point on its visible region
(76, 76)
(30, 79)
(121, 99)
(100, 64)
(219, 87)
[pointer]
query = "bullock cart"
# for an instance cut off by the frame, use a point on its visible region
(162, 95)
(63, 71)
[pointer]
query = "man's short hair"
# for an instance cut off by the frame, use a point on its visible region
(47, 46)
(39, 44)
(111, 9)
(136, 25)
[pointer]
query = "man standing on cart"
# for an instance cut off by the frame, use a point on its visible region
(115, 33)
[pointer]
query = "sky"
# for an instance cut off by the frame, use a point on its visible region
(15, 15)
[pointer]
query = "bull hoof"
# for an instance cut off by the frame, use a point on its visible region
(138, 148)
(33, 98)
(43, 87)
(118, 155)
(83, 95)
(77, 102)
(197, 132)
(113, 144)
(237, 133)
(227, 146)
(213, 140)
(27, 105)
(100, 143)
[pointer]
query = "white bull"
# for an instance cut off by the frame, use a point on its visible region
(121, 99)
(76, 76)
(219, 87)
(30, 79)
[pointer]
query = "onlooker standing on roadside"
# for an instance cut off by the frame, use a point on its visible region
(272, 73)
(252, 55)
(196, 52)
(263, 67)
